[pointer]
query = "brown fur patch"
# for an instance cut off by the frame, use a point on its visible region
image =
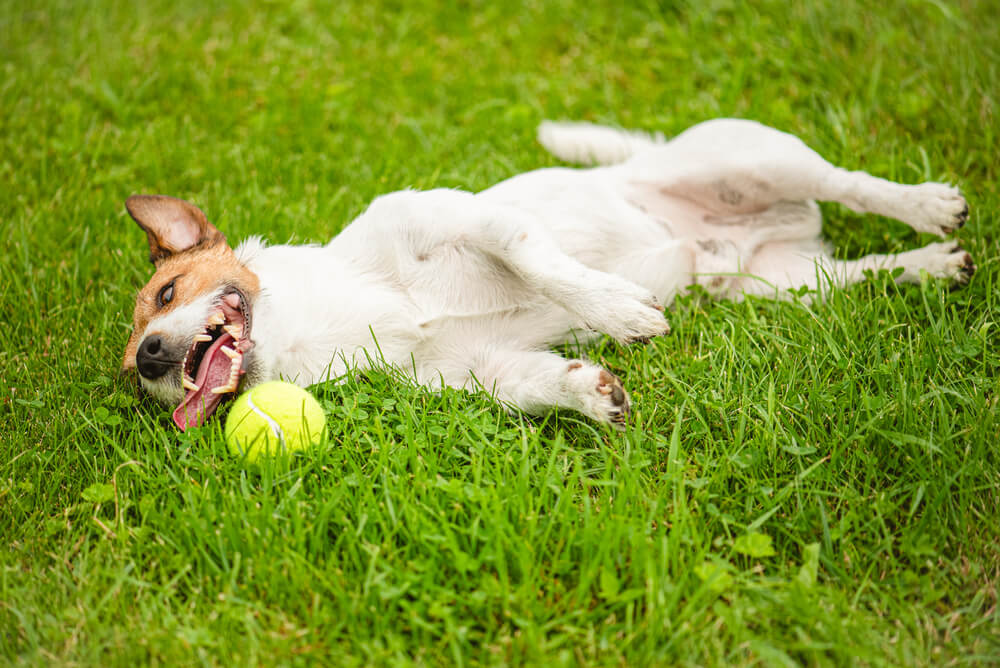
(202, 270)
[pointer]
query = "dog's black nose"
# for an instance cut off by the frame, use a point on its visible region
(151, 359)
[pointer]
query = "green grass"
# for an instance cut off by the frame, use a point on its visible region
(801, 484)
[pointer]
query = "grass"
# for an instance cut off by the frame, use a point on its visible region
(801, 484)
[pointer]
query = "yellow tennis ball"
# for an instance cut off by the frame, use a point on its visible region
(274, 418)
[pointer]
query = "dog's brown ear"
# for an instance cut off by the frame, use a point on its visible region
(171, 224)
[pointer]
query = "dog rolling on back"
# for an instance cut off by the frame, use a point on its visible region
(472, 290)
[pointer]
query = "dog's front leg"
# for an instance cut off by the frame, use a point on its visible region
(537, 382)
(421, 223)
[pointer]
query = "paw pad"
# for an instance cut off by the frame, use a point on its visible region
(611, 386)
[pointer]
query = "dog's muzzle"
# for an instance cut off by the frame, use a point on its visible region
(153, 359)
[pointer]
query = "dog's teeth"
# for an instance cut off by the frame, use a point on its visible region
(222, 389)
(217, 318)
(229, 352)
(199, 338)
(234, 331)
(189, 384)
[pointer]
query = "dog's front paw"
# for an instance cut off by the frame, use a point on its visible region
(599, 394)
(937, 208)
(640, 325)
(947, 259)
(626, 312)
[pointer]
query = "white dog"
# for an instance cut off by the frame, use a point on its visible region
(471, 290)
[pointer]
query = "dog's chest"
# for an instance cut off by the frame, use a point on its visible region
(318, 314)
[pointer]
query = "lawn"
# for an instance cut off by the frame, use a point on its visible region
(801, 484)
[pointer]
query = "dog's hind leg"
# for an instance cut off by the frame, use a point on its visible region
(733, 166)
(780, 267)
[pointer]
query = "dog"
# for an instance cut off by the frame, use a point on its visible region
(472, 290)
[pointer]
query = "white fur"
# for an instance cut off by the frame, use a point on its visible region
(471, 290)
(589, 144)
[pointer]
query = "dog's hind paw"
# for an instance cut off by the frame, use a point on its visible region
(599, 393)
(948, 260)
(936, 208)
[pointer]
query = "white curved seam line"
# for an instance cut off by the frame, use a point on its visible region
(275, 427)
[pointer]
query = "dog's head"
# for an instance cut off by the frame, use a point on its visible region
(191, 339)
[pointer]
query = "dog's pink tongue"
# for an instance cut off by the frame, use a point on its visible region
(213, 372)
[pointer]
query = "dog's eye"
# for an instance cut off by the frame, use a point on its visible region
(166, 294)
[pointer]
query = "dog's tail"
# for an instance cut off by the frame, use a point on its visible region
(589, 144)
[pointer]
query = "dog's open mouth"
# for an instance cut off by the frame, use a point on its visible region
(214, 363)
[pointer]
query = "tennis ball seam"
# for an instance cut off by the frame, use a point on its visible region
(275, 427)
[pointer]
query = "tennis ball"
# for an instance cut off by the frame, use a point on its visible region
(273, 418)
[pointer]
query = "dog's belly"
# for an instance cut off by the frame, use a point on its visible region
(605, 214)
(587, 212)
